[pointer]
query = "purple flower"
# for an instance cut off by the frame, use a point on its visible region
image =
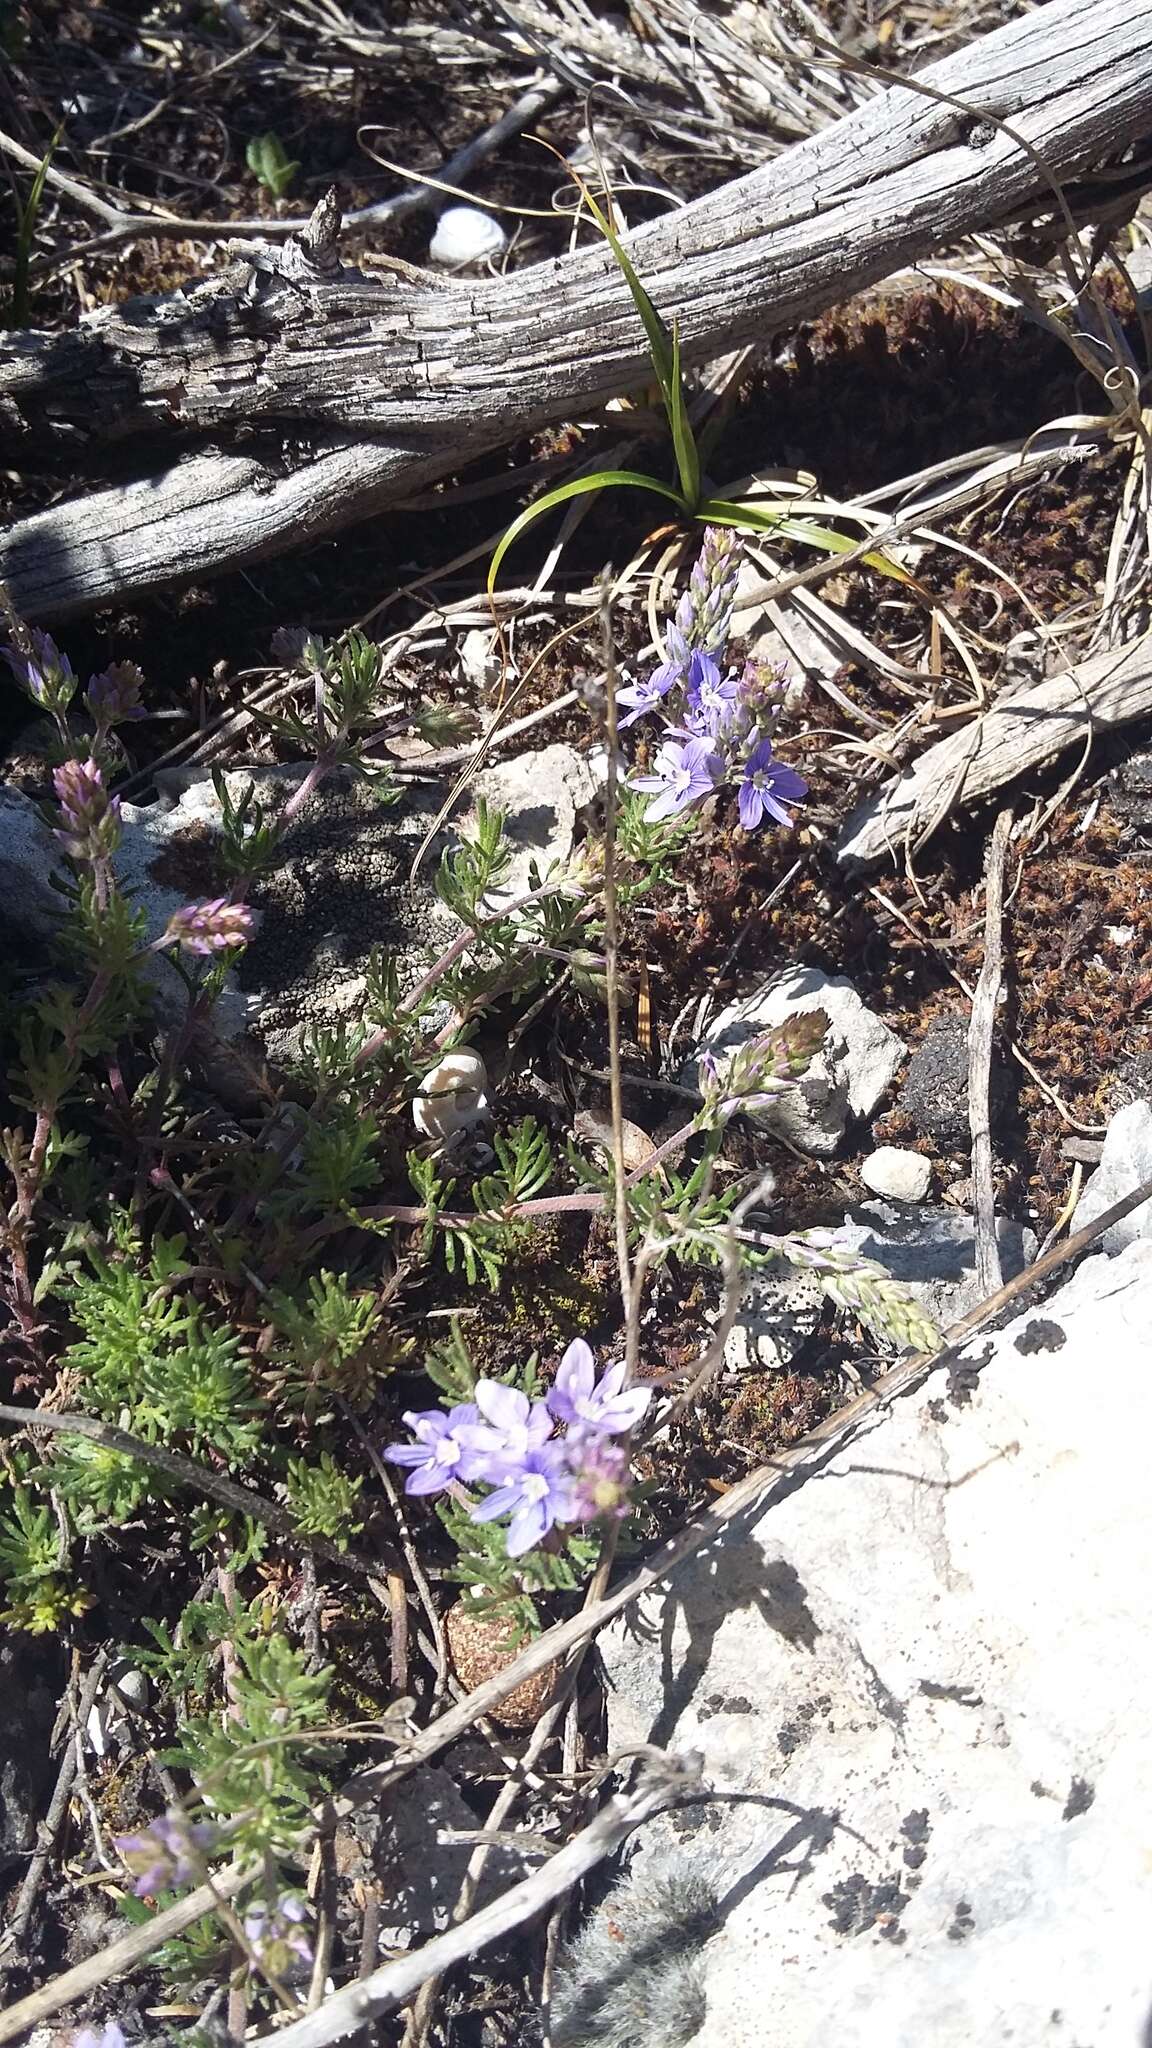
(683, 773)
(277, 1935)
(537, 1495)
(767, 786)
(91, 818)
(713, 700)
(576, 1399)
(209, 927)
(644, 696)
(46, 674)
(441, 1452)
(168, 1853)
(110, 2035)
(114, 695)
(600, 1478)
(512, 1429)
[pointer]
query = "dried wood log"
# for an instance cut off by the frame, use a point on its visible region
(1024, 729)
(407, 379)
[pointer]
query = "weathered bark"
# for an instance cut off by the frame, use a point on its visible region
(1024, 729)
(406, 382)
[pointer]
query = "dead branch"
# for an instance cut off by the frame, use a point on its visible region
(403, 382)
(1023, 730)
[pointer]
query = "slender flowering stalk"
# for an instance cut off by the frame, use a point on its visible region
(718, 722)
(47, 675)
(90, 827)
(113, 696)
(703, 619)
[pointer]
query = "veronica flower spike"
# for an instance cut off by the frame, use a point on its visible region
(576, 1399)
(683, 772)
(767, 786)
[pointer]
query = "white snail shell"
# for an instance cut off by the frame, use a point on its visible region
(453, 1095)
(465, 235)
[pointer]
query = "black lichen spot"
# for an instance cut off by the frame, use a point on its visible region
(960, 1695)
(962, 1922)
(1041, 1335)
(916, 1828)
(856, 1905)
(1080, 1797)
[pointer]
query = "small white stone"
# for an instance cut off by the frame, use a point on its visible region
(901, 1175)
(465, 235)
(124, 1688)
(453, 1095)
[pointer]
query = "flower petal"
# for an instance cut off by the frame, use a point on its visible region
(505, 1407)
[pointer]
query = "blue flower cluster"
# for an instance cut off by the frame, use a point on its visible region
(720, 730)
(502, 1440)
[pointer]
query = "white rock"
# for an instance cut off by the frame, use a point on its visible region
(894, 1171)
(465, 235)
(931, 1251)
(543, 793)
(859, 1062)
(934, 1657)
(1125, 1162)
(453, 1095)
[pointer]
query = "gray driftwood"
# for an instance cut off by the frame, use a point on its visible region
(1026, 728)
(395, 383)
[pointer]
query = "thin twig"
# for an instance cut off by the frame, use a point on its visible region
(612, 951)
(989, 1273)
(241, 1500)
(50, 1826)
(665, 1781)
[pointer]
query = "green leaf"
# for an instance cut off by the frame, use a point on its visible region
(269, 162)
(687, 457)
(578, 487)
(28, 215)
(763, 519)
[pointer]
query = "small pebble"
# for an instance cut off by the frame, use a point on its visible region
(465, 235)
(901, 1175)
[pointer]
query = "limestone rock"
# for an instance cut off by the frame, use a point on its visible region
(930, 1251)
(1125, 1162)
(340, 887)
(859, 1062)
(923, 1674)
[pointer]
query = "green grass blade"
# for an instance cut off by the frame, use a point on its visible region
(758, 519)
(578, 487)
(664, 349)
(26, 231)
(683, 441)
